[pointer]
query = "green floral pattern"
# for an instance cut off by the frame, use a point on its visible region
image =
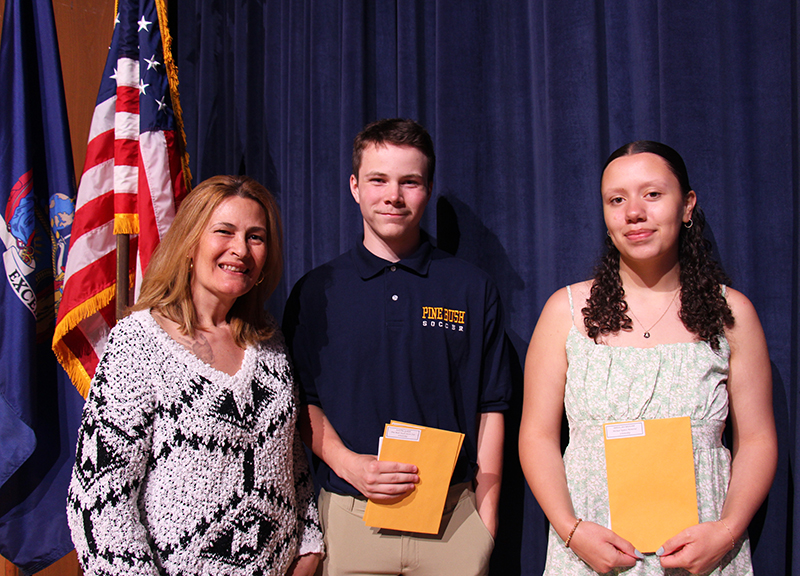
(612, 384)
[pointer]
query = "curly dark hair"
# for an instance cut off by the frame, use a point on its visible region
(704, 310)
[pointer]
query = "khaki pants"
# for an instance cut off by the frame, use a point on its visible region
(462, 547)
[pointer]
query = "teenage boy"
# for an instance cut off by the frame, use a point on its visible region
(396, 329)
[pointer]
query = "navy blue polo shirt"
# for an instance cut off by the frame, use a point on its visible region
(419, 341)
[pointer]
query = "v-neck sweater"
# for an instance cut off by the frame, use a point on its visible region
(184, 469)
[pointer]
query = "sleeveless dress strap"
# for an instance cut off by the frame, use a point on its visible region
(571, 311)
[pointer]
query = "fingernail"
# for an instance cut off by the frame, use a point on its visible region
(638, 554)
(660, 551)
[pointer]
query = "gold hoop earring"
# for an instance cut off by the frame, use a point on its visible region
(191, 265)
(260, 280)
(688, 224)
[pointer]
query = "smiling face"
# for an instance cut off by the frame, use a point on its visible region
(392, 190)
(644, 208)
(231, 252)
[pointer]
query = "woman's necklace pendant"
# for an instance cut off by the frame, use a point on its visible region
(646, 333)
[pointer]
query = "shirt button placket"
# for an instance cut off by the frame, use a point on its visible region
(394, 306)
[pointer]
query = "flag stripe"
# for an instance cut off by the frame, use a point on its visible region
(96, 182)
(128, 101)
(103, 118)
(96, 261)
(127, 73)
(126, 155)
(98, 151)
(94, 215)
(126, 126)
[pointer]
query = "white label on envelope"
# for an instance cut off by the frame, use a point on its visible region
(624, 430)
(402, 433)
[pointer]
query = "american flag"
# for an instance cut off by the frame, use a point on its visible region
(133, 180)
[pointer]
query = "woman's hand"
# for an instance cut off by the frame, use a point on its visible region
(698, 548)
(304, 565)
(601, 549)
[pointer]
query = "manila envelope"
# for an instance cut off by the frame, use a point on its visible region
(434, 452)
(651, 481)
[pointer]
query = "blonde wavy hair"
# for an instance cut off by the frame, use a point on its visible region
(166, 287)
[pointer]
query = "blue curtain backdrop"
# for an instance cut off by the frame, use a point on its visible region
(524, 101)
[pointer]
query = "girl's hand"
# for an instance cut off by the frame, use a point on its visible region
(698, 548)
(601, 549)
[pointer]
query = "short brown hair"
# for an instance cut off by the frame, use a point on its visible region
(396, 131)
(166, 286)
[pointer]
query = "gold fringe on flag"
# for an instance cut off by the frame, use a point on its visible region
(71, 363)
(126, 224)
(172, 75)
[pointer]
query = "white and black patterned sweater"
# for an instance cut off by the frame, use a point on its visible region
(182, 469)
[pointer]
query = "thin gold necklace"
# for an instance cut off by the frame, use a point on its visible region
(664, 313)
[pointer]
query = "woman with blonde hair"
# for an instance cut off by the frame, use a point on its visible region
(655, 334)
(188, 459)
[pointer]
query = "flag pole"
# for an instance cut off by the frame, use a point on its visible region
(123, 282)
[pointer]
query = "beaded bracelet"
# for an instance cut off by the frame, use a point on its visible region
(578, 521)
(733, 541)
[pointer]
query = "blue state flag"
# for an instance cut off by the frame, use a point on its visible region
(39, 408)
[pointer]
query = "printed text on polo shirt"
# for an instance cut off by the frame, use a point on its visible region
(448, 318)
